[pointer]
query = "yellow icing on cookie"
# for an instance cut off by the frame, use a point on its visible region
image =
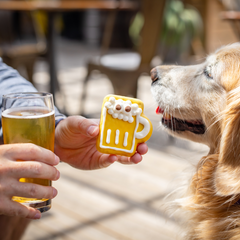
(123, 125)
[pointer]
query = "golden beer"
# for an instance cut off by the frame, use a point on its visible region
(30, 125)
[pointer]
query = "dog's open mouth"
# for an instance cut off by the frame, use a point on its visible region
(180, 125)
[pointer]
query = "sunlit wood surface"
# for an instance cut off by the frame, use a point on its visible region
(121, 202)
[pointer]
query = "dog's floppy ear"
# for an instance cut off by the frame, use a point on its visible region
(227, 175)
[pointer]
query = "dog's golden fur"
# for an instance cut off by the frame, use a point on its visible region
(207, 97)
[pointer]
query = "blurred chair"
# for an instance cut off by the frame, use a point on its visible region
(123, 69)
(231, 5)
(20, 52)
(232, 14)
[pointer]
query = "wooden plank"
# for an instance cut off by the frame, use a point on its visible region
(95, 210)
(230, 15)
(67, 5)
(45, 227)
(34, 231)
(120, 183)
(125, 223)
(214, 23)
(71, 195)
(86, 227)
(62, 226)
(142, 225)
(89, 209)
(152, 176)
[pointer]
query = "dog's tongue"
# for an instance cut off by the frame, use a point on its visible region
(159, 110)
(165, 115)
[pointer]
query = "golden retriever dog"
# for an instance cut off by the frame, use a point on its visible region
(202, 103)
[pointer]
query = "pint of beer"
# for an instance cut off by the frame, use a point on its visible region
(29, 118)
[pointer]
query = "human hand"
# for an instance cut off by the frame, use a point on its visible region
(36, 162)
(75, 144)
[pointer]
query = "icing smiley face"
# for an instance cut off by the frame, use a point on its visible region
(122, 125)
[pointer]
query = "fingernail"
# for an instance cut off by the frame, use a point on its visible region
(58, 175)
(91, 130)
(54, 192)
(37, 215)
(112, 158)
(137, 159)
(57, 159)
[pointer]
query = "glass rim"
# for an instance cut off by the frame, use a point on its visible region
(27, 95)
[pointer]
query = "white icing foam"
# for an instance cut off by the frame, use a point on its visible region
(123, 109)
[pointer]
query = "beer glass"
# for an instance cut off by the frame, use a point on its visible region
(28, 117)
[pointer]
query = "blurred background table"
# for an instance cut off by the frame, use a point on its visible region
(55, 6)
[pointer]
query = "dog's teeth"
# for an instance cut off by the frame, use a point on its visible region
(167, 116)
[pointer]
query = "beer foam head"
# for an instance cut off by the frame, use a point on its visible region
(124, 110)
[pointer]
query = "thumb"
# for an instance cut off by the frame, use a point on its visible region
(87, 127)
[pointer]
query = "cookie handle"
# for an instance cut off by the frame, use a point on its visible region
(146, 129)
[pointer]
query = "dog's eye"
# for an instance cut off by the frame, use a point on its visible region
(208, 74)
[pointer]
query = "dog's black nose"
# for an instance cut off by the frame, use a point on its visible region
(154, 74)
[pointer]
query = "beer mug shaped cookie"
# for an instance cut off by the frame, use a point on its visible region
(122, 125)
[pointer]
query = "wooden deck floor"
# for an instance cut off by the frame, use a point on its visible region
(117, 203)
(120, 202)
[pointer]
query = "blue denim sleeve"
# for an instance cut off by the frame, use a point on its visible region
(10, 82)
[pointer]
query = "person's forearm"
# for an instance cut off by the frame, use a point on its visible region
(11, 82)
